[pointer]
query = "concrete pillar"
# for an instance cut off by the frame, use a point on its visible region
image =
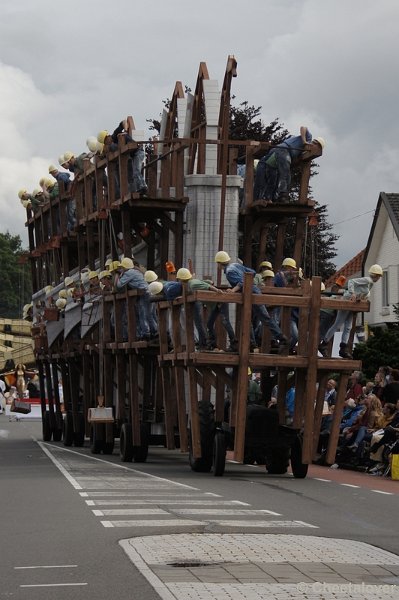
(202, 221)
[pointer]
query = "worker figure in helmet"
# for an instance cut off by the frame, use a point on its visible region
(133, 278)
(358, 289)
(135, 178)
(60, 175)
(278, 163)
(234, 272)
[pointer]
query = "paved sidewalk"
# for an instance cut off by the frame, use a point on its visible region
(264, 566)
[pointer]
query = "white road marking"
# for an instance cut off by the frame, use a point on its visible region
(381, 492)
(129, 511)
(163, 502)
(350, 485)
(36, 585)
(320, 479)
(48, 567)
(262, 524)
(59, 466)
(119, 466)
(144, 495)
(153, 523)
(224, 511)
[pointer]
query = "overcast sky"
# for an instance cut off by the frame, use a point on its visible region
(68, 71)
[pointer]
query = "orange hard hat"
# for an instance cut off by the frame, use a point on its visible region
(341, 280)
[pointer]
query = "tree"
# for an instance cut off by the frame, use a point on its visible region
(15, 281)
(319, 242)
(381, 348)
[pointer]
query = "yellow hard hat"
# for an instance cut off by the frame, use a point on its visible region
(70, 292)
(150, 276)
(26, 307)
(127, 263)
(61, 160)
(114, 266)
(52, 169)
(155, 288)
(289, 262)
(376, 270)
(91, 143)
(102, 135)
(104, 274)
(267, 264)
(222, 257)
(100, 147)
(22, 193)
(267, 273)
(183, 274)
(92, 275)
(62, 294)
(320, 141)
(68, 156)
(108, 262)
(61, 303)
(68, 281)
(41, 181)
(36, 192)
(249, 371)
(48, 289)
(26, 203)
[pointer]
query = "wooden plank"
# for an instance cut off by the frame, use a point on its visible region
(169, 403)
(242, 372)
(134, 398)
(318, 414)
(181, 407)
(310, 394)
(337, 416)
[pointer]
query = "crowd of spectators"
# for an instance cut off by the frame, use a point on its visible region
(369, 429)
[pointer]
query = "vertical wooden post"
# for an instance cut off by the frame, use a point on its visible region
(337, 416)
(242, 391)
(310, 394)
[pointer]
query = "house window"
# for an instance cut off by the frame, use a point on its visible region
(385, 289)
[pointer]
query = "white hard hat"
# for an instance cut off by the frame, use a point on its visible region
(320, 141)
(150, 276)
(155, 287)
(127, 263)
(61, 303)
(222, 257)
(91, 143)
(183, 274)
(375, 270)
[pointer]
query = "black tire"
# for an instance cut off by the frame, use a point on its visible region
(125, 443)
(108, 447)
(57, 435)
(298, 468)
(96, 439)
(207, 433)
(219, 454)
(140, 453)
(46, 427)
(79, 434)
(277, 461)
(67, 429)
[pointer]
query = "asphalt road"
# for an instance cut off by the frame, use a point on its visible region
(64, 512)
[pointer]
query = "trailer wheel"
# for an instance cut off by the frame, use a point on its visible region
(46, 427)
(125, 443)
(108, 447)
(207, 433)
(57, 435)
(79, 435)
(277, 461)
(219, 454)
(299, 469)
(67, 429)
(140, 453)
(96, 440)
